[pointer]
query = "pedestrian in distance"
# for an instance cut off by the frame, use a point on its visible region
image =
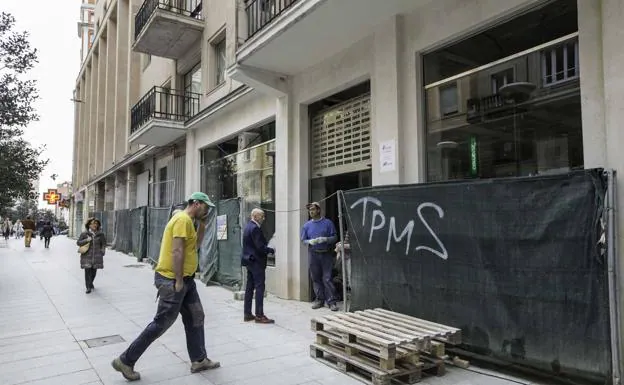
(254, 258)
(29, 227)
(47, 231)
(92, 247)
(174, 279)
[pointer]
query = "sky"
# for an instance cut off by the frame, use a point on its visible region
(54, 33)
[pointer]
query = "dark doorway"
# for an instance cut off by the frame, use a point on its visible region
(327, 187)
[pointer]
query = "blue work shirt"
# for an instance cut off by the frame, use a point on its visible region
(322, 227)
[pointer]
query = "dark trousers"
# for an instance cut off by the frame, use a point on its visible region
(170, 304)
(47, 242)
(90, 277)
(321, 265)
(256, 275)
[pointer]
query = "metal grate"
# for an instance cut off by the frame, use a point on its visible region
(341, 138)
(103, 341)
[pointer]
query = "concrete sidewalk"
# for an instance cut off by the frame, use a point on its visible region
(46, 318)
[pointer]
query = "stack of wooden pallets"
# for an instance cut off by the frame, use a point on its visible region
(380, 347)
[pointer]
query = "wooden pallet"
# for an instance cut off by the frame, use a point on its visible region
(354, 339)
(363, 369)
(378, 346)
(435, 331)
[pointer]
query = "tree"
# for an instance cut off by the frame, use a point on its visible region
(20, 164)
(46, 215)
(23, 209)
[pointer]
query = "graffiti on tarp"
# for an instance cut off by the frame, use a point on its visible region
(378, 223)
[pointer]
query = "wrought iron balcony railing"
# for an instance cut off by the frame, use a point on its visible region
(262, 12)
(163, 103)
(477, 107)
(189, 8)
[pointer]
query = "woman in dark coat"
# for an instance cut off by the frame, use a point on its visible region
(93, 259)
(47, 231)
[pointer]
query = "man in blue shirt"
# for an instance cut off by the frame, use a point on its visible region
(319, 234)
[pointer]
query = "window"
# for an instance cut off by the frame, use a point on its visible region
(192, 86)
(560, 64)
(193, 80)
(219, 50)
(448, 99)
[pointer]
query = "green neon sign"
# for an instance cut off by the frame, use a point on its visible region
(474, 162)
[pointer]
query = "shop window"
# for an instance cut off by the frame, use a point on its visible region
(491, 106)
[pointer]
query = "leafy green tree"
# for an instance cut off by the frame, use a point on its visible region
(46, 215)
(20, 164)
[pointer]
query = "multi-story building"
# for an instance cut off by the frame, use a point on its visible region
(86, 27)
(279, 102)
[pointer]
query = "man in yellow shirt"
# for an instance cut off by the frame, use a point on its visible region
(175, 281)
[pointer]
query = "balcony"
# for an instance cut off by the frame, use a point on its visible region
(167, 30)
(284, 37)
(158, 118)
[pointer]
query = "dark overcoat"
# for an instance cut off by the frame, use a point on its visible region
(94, 257)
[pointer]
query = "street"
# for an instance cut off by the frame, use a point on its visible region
(48, 326)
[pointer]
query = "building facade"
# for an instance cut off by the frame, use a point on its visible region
(280, 102)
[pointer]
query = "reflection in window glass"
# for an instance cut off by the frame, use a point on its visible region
(448, 99)
(520, 117)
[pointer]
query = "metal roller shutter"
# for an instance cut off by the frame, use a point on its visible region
(340, 138)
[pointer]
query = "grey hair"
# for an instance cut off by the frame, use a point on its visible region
(255, 212)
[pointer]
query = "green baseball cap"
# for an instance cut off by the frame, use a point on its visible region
(200, 196)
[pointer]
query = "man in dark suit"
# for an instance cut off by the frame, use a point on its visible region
(254, 258)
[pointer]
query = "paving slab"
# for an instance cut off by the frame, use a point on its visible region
(47, 316)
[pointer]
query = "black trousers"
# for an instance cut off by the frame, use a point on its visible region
(89, 277)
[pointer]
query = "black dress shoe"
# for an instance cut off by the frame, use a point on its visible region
(88, 291)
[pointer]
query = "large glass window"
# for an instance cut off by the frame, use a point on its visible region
(244, 167)
(506, 102)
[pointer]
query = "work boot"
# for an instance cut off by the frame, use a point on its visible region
(204, 364)
(333, 307)
(126, 371)
(317, 305)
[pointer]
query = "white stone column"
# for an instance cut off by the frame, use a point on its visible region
(100, 110)
(191, 172)
(289, 278)
(592, 83)
(122, 107)
(385, 99)
(109, 96)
